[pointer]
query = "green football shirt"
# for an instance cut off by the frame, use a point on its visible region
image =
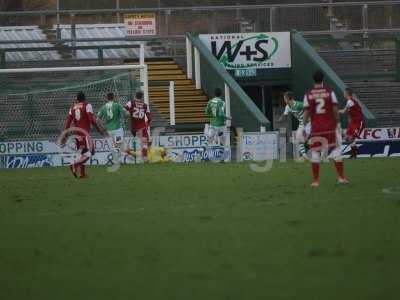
(111, 114)
(215, 110)
(297, 110)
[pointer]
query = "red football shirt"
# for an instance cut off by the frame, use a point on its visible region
(81, 114)
(140, 114)
(320, 101)
(354, 110)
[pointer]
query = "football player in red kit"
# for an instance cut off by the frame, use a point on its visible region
(356, 120)
(140, 120)
(320, 106)
(82, 118)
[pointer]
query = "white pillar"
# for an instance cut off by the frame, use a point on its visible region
(172, 103)
(141, 54)
(228, 104)
(197, 68)
(145, 79)
(189, 59)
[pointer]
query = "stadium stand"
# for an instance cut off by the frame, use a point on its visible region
(20, 33)
(373, 63)
(93, 31)
(365, 70)
(371, 73)
(382, 98)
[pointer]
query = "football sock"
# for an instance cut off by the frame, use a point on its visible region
(354, 151)
(315, 171)
(144, 154)
(339, 168)
(81, 164)
(83, 171)
(116, 156)
(302, 149)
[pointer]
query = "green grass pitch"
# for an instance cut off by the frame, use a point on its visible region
(201, 231)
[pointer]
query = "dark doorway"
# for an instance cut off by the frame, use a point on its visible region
(269, 99)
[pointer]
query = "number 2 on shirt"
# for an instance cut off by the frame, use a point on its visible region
(320, 109)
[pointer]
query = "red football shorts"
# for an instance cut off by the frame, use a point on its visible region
(84, 144)
(354, 129)
(325, 140)
(142, 133)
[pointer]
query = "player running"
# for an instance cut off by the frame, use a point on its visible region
(320, 104)
(356, 120)
(112, 114)
(297, 110)
(81, 115)
(215, 131)
(140, 120)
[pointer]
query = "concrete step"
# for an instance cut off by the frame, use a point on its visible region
(178, 87)
(171, 72)
(177, 93)
(166, 77)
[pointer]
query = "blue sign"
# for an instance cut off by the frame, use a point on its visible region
(389, 148)
(26, 161)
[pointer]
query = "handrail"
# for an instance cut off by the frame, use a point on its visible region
(67, 47)
(99, 48)
(194, 8)
(308, 34)
(88, 40)
(234, 87)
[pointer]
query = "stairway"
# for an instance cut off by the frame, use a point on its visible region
(382, 98)
(371, 74)
(190, 103)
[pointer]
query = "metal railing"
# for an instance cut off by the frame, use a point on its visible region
(72, 49)
(308, 18)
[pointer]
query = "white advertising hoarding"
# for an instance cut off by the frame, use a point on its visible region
(32, 154)
(260, 146)
(264, 50)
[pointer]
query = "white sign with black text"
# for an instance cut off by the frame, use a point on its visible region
(240, 51)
